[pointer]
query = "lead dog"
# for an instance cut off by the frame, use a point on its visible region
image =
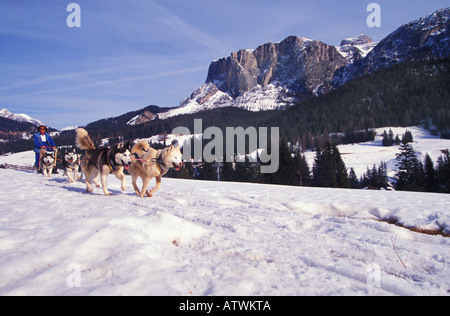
(149, 163)
(103, 161)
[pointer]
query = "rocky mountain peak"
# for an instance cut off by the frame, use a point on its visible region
(298, 64)
(359, 40)
(356, 48)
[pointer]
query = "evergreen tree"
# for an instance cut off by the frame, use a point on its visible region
(408, 169)
(443, 173)
(388, 139)
(354, 183)
(287, 172)
(407, 137)
(303, 172)
(382, 176)
(329, 169)
(431, 183)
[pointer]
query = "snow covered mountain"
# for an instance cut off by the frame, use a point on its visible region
(19, 117)
(424, 39)
(276, 75)
(272, 76)
(356, 48)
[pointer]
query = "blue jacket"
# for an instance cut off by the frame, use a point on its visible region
(38, 143)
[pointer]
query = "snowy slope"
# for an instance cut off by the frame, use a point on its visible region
(365, 155)
(210, 238)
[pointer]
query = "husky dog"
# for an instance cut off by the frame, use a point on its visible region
(149, 163)
(103, 161)
(46, 162)
(71, 163)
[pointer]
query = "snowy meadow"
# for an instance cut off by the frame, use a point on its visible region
(209, 238)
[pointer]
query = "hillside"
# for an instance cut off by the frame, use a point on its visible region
(209, 238)
(403, 95)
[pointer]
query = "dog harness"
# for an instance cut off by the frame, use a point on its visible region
(110, 165)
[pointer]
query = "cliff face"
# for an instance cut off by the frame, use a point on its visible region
(300, 65)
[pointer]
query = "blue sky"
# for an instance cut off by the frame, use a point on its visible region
(130, 54)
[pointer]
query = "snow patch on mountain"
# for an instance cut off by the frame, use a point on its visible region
(206, 97)
(356, 48)
(19, 117)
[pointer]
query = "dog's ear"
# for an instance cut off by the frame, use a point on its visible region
(125, 145)
(175, 144)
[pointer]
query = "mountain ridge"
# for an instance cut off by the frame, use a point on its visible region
(277, 75)
(5, 113)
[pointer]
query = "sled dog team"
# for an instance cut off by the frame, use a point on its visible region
(140, 161)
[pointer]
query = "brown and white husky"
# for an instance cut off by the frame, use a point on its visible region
(149, 163)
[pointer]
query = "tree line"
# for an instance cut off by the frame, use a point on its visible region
(329, 170)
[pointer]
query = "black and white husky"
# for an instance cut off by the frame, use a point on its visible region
(47, 162)
(71, 163)
(102, 161)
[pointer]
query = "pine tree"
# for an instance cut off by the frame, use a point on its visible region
(408, 169)
(329, 169)
(303, 172)
(443, 169)
(354, 182)
(388, 139)
(407, 137)
(431, 183)
(382, 176)
(287, 172)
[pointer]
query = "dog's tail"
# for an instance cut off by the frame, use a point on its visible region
(83, 140)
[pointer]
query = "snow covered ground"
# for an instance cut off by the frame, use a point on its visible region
(364, 155)
(210, 238)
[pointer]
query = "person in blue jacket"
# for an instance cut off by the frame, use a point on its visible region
(42, 140)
